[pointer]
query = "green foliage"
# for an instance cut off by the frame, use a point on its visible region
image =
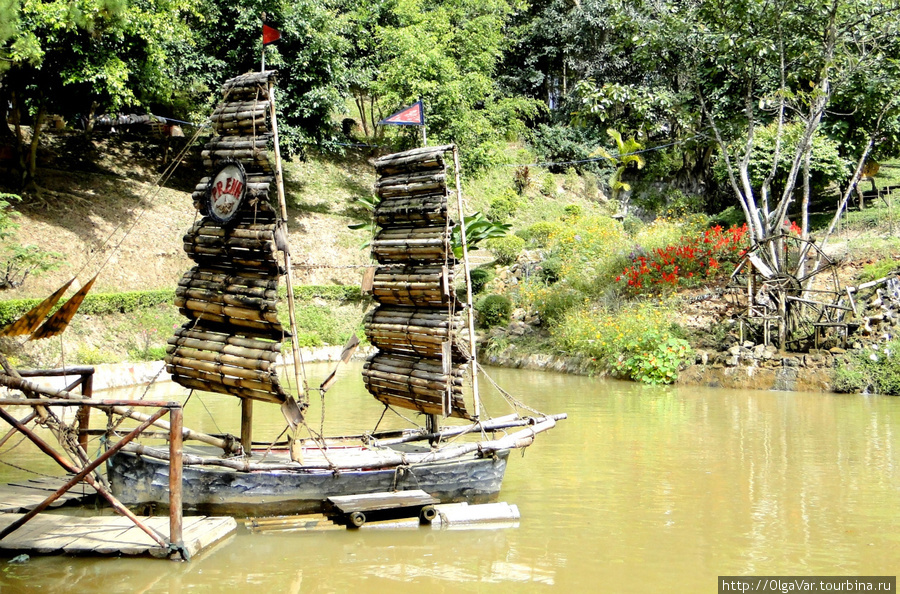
(873, 370)
(562, 145)
(87, 355)
(94, 304)
(826, 165)
(548, 185)
(550, 270)
(640, 343)
(625, 157)
(506, 249)
(480, 277)
(478, 229)
(878, 270)
(503, 207)
(572, 211)
(493, 310)
(539, 234)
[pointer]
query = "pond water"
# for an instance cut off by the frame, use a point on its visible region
(642, 489)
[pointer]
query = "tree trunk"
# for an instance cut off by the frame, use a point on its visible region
(31, 165)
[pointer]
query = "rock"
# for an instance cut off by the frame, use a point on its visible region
(749, 344)
(839, 350)
(735, 350)
(790, 362)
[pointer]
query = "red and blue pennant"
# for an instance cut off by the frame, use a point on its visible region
(414, 115)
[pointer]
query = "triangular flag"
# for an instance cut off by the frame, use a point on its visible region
(270, 34)
(60, 320)
(414, 115)
(31, 320)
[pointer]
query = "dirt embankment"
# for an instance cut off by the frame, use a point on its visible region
(100, 206)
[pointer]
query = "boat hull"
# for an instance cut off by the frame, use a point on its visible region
(140, 480)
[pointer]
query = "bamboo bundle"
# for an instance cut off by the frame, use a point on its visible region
(252, 154)
(425, 317)
(428, 403)
(240, 364)
(224, 340)
(429, 184)
(245, 283)
(408, 162)
(233, 106)
(430, 209)
(250, 80)
(244, 326)
(231, 312)
(429, 244)
(229, 258)
(230, 299)
(212, 347)
(236, 142)
(223, 114)
(413, 285)
(240, 127)
(405, 179)
(198, 380)
(259, 231)
(384, 361)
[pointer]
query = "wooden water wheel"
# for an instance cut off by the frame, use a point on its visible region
(789, 283)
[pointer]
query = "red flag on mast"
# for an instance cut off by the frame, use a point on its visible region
(414, 115)
(270, 34)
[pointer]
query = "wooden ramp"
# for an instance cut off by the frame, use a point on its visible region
(108, 535)
(23, 495)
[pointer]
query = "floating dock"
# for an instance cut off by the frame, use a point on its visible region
(48, 534)
(25, 494)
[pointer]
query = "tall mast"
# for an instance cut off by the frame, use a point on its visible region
(279, 182)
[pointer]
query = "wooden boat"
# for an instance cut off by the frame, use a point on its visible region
(232, 339)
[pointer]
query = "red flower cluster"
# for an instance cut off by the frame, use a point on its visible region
(691, 258)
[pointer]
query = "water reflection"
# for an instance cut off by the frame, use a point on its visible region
(640, 489)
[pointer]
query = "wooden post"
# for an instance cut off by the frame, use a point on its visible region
(279, 180)
(83, 418)
(469, 309)
(247, 426)
(176, 422)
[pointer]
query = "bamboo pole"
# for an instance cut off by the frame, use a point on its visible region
(26, 386)
(465, 258)
(279, 179)
(176, 427)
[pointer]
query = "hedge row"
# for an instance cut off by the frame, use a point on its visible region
(111, 303)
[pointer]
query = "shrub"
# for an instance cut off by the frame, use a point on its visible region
(539, 233)
(640, 343)
(550, 270)
(480, 277)
(503, 207)
(522, 179)
(572, 211)
(493, 310)
(506, 249)
(874, 370)
(686, 262)
(548, 185)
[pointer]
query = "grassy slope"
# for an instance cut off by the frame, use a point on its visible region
(89, 192)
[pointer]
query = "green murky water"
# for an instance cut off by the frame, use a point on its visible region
(641, 490)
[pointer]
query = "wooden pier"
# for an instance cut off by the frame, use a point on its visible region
(49, 534)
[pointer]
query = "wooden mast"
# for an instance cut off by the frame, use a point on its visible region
(465, 259)
(279, 182)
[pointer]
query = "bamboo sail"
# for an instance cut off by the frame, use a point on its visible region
(232, 339)
(420, 364)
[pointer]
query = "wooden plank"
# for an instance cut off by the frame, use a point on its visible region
(380, 501)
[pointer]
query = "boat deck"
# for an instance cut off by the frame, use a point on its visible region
(108, 535)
